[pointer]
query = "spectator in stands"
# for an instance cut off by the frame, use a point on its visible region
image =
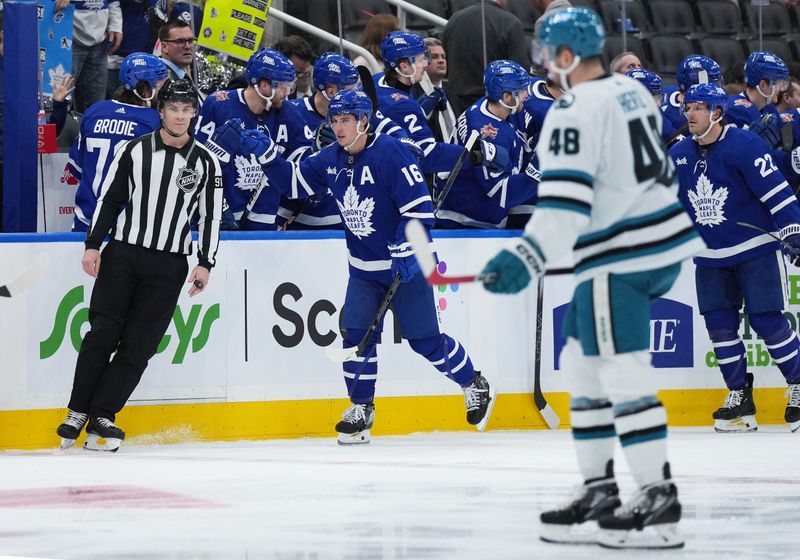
(442, 119)
(378, 27)
(462, 40)
(624, 62)
(137, 36)
(794, 70)
(177, 49)
(789, 99)
(96, 33)
(733, 77)
(299, 52)
(547, 7)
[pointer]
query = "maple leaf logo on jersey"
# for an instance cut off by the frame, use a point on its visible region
(248, 173)
(489, 131)
(708, 203)
(357, 214)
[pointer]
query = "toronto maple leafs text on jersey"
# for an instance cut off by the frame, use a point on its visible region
(733, 180)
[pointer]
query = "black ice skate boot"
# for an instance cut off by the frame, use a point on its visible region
(103, 429)
(649, 520)
(738, 412)
(479, 399)
(71, 428)
(792, 414)
(356, 423)
(576, 521)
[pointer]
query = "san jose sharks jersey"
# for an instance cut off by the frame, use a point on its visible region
(733, 180)
(242, 175)
(606, 186)
(377, 191)
(105, 127)
(480, 198)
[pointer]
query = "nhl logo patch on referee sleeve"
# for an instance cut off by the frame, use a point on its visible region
(186, 179)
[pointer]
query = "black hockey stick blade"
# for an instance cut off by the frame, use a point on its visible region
(548, 414)
(345, 354)
(28, 277)
(369, 86)
(473, 137)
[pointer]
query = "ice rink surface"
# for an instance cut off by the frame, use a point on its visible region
(441, 495)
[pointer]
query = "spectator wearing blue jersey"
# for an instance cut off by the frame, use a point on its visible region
(728, 178)
(137, 36)
(108, 125)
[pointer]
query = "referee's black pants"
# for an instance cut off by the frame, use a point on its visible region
(133, 300)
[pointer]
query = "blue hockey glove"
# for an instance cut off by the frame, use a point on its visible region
(229, 135)
(790, 235)
(432, 101)
(324, 136)
(491, 156)
(412, 147)
(403, 260)
(258, 143)
(513, 267)
(768, 127)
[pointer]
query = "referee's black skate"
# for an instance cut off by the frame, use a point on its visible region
(738, 412)
(479, 399)
(576, 521)
(103, 435)
(354, 428)
(71, 428)
(649, 520)
(792, 414)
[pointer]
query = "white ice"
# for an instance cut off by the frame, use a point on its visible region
(441, 495)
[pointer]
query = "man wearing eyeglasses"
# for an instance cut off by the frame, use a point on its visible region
(177, 49)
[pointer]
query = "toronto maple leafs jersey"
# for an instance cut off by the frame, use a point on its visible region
(377, 191)
(606, 186)
(105, 127)
(792, 119)
(242, 175)
(740, 112)
(733, 180)
(480, 198)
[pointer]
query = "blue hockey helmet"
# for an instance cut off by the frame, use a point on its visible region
(504, 76)
(350, 102)
(712, 95)
(580, 29)
(142, 67)
(762, 65)
(650, 80)
(697, 69)
(399, 45)
(331, 68)
(269, 64)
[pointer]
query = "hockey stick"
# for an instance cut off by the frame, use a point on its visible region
(793, 251)
(353, 352)
(548, 414)
(368, 84)
(437, 205)
(28, 277)
(418, 238)
(427, 87)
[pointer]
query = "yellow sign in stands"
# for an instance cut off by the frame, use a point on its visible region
(234, 27)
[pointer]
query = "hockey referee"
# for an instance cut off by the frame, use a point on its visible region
(152, 189)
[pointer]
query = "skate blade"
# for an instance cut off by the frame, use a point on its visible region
(743, 424)
(359, 438)
(94, 443)
(794, 426)
(492, 397)
(651, 537)
(583, 533)
(66, 444)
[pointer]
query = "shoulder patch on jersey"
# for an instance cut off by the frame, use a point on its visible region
(331, 171)
(681, 161)
(489, 131)
(398, 96)
(221, 95)
(742, 103)
(787, 117)
(708, 202)
(565, 101)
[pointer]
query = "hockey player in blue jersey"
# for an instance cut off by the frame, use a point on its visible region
(482, 196)
(378, 187)
(260, 106)
(727, 176)
(653, 83)
(765, 76)
(108, 124)
(607, 195)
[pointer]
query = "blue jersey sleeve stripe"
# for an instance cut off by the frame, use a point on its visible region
(774, 191)
(569, 175)
(569, 204)
(787, 201)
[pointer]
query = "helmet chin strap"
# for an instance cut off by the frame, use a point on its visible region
(268, 100)
(513, 108)
(563, 73)
(152, 94)
(359, 134)
(409, 76)
(170, 132)
(764, 95)
(708, 130)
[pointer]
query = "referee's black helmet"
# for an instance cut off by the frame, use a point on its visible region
(181, 91)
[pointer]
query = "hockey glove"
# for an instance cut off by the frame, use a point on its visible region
(258, 143)
(229, 135)
(493, 157)
(768, 127)
(404, 262)
(432, 101)
(513, 267)
(324, 136)
(790, 235)
(795, 160)
(412, 147)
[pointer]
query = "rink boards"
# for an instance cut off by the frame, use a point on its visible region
(246, 360)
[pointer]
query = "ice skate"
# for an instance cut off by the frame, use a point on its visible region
(479, 399)
(356, 423)
(576, 521)
(737, 414)
(649, 520)
(71, 428)
(103, 435)
(792, 414)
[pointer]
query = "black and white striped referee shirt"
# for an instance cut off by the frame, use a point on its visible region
(160, 188)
